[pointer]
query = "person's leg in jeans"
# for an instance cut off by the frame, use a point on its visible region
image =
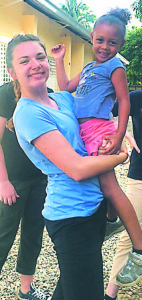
(134, 192)
(78, 243)
(32, 225)
(10, 216)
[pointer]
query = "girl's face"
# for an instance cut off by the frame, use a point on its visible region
(30, 65)
(107, 41)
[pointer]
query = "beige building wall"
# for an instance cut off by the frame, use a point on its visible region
(67, 59)
(29, 24)
(77, 58)
(21, 17)
(88, 54)
(10, 19)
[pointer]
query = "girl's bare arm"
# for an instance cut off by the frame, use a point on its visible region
(119, 81)
(58, 53)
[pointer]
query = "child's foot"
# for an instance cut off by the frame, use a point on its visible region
(132, 271)
(113, 227)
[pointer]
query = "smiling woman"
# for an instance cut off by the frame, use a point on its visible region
(48, 132)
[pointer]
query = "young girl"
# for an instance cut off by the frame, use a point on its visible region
(74, 210)
(98, 85)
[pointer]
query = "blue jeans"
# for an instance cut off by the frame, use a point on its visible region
(27, 209)
(77, 242)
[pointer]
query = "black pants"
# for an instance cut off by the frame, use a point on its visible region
(28, 210)
(78, 243)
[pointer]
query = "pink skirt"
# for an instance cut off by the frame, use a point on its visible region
(93, 131)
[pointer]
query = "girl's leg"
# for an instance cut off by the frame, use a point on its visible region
(78, 243)
(123, 206)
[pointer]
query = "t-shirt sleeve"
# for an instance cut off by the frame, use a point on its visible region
(35, 122)
(114, 64)
(7, 100)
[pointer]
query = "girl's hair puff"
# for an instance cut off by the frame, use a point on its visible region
(117, 16)
(16, 40)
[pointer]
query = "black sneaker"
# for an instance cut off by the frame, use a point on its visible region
(34, 294)
(113, 227)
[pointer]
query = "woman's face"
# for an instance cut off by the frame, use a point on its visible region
(30, 65)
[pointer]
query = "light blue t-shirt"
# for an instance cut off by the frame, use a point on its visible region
(95, 93)
(65, 197)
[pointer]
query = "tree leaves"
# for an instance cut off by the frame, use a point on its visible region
(137, 8)
(81, 12)
(132, 51)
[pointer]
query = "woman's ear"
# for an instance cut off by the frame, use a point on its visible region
(12, 73)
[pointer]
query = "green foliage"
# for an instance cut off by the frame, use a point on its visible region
(80, 12)
(137, 8)
(132, 51)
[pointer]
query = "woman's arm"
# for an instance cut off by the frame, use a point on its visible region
(58, 53)
(7, 192)
(60, 152)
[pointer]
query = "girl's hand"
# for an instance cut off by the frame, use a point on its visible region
(58, 51)
(8, 194)
(122, 152)
(113, 144)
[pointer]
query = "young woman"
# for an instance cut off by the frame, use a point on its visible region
(74, 210)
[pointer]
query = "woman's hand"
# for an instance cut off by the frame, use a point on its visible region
(9, 124)
(103, 148)
(8, 194)
(123, 150)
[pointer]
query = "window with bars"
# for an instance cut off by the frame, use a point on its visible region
(52, 81)
(4, 76)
